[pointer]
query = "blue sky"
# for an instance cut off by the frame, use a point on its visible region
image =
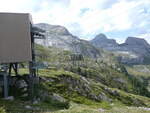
(118, 19)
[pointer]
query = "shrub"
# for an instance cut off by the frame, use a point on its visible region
(58, 104)
(2, 110)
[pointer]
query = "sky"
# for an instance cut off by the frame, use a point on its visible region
(118, 19)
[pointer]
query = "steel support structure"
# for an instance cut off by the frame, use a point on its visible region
(36, 33)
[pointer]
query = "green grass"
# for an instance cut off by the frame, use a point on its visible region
(58, 85)
(81, 104)
(18, 106)
(2, 110)
(79, 108)
(14, 106)
(51, 73)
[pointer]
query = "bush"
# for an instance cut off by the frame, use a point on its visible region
(58, 104)
(2, 110)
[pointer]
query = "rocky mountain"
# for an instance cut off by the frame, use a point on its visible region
(101, 41)
(134, 50)
(136, 45)
(60, 37)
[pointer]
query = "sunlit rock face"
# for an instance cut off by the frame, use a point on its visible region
(60, 37)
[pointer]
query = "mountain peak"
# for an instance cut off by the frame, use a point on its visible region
(56, 29)
(136, 41)
(59, 37)
(101, 41)
(101, 36)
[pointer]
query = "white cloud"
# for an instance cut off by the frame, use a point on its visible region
(101, 16)
(146, 36)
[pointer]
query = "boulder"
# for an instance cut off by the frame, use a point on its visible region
(11, 98)
(103, 97)
(57, 97)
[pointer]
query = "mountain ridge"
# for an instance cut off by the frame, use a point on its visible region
(128, 52)
(128, 40)
(133, 46)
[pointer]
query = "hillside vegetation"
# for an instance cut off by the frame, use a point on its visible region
(82, 86)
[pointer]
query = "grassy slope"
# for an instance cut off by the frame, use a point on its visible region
(84, 105)
(100, 74)
(59, 85)
(86, 109)
(80, 108)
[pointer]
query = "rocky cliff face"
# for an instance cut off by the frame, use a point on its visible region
(136, 45)
(101, 41)
(133, 51)
(60, 37)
